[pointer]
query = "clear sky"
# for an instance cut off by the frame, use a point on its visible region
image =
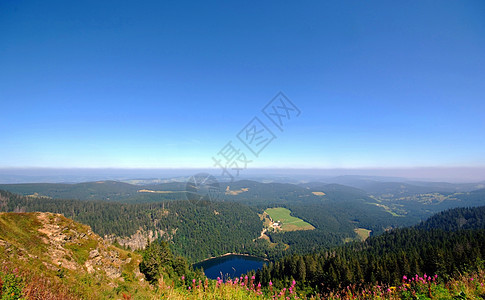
(168, 83)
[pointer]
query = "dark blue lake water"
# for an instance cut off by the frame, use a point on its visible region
(230, 266)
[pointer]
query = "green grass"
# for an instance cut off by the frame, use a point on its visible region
(28, 275)
(21, 229)
(387, 209)
(362, 233)
(288, 222)
(81, 250)
(24, 253)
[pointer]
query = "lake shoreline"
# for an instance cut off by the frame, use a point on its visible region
(230, 253)
(230, 265)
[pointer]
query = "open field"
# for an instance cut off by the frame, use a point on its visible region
(362, 233)
(159, 192)
(235, 192)
(288, 222)
(318, 193)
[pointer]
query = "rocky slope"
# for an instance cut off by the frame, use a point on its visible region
(68, 253)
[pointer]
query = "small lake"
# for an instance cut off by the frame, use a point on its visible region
(233, 265)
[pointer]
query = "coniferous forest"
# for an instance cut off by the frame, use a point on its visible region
(448, 244)
(317, 263)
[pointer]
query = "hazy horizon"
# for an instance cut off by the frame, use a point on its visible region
(52, 175)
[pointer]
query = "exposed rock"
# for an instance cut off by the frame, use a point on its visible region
(112, 271)
(67, 241)
(93, 253)
(4, 244)
(136, 241)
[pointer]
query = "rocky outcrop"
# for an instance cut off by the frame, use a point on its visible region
(136, 241)
(75, 247)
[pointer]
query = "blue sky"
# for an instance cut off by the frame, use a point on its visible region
(120, 84)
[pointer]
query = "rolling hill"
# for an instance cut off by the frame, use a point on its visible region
(54, 257)
(131, 214)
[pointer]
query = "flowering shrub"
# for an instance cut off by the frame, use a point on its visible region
(424, 286)
(470, 286)
(234, 288)
(11, 285)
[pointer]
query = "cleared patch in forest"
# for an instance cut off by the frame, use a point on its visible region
(281, 218)
(235, 192)
(318, 193)
(362, 233)
(158, 192)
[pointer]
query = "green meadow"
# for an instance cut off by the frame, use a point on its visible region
(288, 222)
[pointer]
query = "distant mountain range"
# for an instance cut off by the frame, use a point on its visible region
(152, 176)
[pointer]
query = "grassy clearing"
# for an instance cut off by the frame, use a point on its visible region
(387, 209)
(318, 193)
(288, 222)
(159, 192)
(235, 192)
(21, 230)
(362, 233)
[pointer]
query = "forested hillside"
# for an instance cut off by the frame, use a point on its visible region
(456, 219)
(114, 191)
(196, 232)
(336, 211)
(46, 256)
(438, 246)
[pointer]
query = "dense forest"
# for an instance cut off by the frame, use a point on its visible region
(195, 232)
(121, 209)
(447, 244)
(108, 190)
(455, 219)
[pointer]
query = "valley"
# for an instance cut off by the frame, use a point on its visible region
(312, 216)
(76, 263)
(296, 228)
